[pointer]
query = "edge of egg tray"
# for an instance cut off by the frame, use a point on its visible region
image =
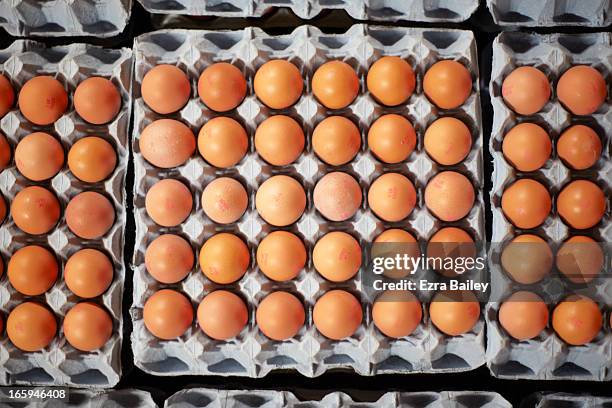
(552, 400)
(60, 364)
(593, 13)
(547, 356)
(251, 354)
(89, 398)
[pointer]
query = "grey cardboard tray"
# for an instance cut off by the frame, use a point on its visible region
(554, 400)
(587, 13)
(82, 398)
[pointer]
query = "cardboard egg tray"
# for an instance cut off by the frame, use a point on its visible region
(554, 400)
(60, 363)
(367, 352)
(88, 398)
(547, 356)
(592, 13)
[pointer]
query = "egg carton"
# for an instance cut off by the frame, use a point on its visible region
(83, 398)
(547, 356)
(59, 363)
(61, 18)
(552, 400)
(592, 13)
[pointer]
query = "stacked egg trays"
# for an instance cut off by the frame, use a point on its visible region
(592, 13)
(571, 401)
(547, 356)
(59, 363)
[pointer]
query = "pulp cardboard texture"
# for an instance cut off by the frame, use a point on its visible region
(251, 354)
(60, 363)
(591, 13)
(572, 401)
(547, 356)
(82, 398)
(60, 18)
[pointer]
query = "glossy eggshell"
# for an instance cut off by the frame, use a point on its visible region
(32, 270)
(526, 90)
(224, 258)
(337, 256)
(392, 138)
(527, 147)
(5, 152)
(167, 314)
(397, 314)
(169, 258)
(449, 196)
(581, 204)
(224, 200)
(7, 96)
(87, 326)
(392, 197)
(447, 84)
(39, 156)
(336, 140)
(281, 255)
(92, 159)
(523, 315)
(582, 89)
(278, 84)
(222, 315)
(337, 196)
(97, 100)
(31, 326)
(90, 215)
(335, 84)
(391, 80)
(448, 141)
(280, 200)
(222, 87)
(43, 100)
(168, 202)
(279, 140)
(579, 147)
(526, 203)
(280, 316)
(580, 259)
(337, 314)
(222, 142)
(165, 89)
(454, 313)
(167, 143)
(577, 320)
(88, 273)
(527, 259)
(35, 210)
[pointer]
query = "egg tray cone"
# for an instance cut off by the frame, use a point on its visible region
(594, 13)
(552, 400)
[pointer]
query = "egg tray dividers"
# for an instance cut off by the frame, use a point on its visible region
(251, 354)
(571, 401)
(547, 356)
(92, 398)
(60, 363)
(592, 13)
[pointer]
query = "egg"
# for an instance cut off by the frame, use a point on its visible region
(523, 315)
(7, 96)
(580, 259)
(527, 147)
(582, 90)
(2, 209)
(222, 87)
(224, 258)
(579, 147)
(336, 140)
(97, 100)
(527, 259)
(222, 142)
(167, 314)
(581, 204)
(577, 320)
(280, 200)
(451, 243)
(88, 273)
(454, 312)
(280, 316)
(5, 152)
(222, 315)
(281, 256)
(392, 197)
(279, 140)
(391, 80)
(278, 84)
(167, 143)
(391, 138)
(87, 326)
(448, 141)
(526, 90)
(165, 89)
(39, 156)
(449, 196)
(337, 256)
(35, 210)
(90, 215)
(526, 203)
(392, 242)
(447, 84)
(92, 159)
(43, 100)
(337, 314)
(168, 202)
(337, 196)
(169, 258)
(397, 313)
(32, 270)
(224, 200)
(31, 326)
(335, 84)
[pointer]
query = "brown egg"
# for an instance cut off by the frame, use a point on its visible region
(279, 140)
(579, 147)
(577, 320)
(222, 315)
(167, 143)
(448, 141)
(2, 209)
(582, 90)
(39, 156)
(336, 140)
(580, 259)
(92, 159)
(526, 203)
(35, 210)
(278, 84)
(224, 200)
(222, 87)
(397, 313)
(169, 202)
(447, 84)
(88, 273)
(526, 90)
(335, 84)
(31, 326)
(527, 146)
(337, 314)
(5, 152)
(337, 256)
(7, 96)
(391, 138)
(527, 259)
(165, 89)
(281, 255)
(391, 81)
(451, 243)
(43, 100)
(392, 197)
(97, 100)
(337, 196)
(169, 258)
(454, 313)
(222, 142)
(87, 326)
(449, 196)
(523, 315)
(392, 242)
(32, 270)
(280, 200)
(224, 258)
(280, 316)
(167, 314)
(90, 215)
(581, 204)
